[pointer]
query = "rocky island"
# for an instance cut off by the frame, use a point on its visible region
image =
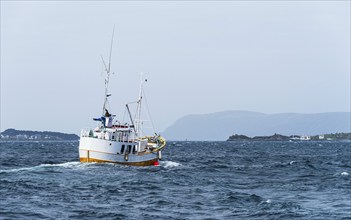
(275, 137)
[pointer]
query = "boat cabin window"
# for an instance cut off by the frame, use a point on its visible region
(134, 149)
(122, 149)
(129, 148)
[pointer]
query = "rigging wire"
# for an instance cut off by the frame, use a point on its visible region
(148, 111)
(124, 115)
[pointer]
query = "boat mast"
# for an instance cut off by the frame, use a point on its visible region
(138, 118)
(108, 72)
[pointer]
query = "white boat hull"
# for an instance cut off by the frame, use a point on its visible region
(130, 153)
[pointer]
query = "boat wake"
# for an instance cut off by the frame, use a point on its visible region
(44, 166)
(74, 165)
(169, 164)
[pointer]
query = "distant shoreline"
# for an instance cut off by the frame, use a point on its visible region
(36, 141)
(13, 135)
(279, 137)
(25, 136)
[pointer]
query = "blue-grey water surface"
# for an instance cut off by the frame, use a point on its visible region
(195, 180)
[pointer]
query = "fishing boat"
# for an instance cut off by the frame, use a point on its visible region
(300, 138)
(118, 141)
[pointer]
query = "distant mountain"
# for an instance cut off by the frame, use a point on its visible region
(220, 125)
(13, 134)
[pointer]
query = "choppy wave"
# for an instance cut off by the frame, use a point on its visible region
(196, 180)
(345, 174)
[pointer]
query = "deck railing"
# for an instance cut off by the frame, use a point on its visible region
(86, 132)
(115, 136)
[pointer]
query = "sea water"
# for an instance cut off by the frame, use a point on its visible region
(195, 180)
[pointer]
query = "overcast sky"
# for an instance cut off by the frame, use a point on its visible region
(200, 57)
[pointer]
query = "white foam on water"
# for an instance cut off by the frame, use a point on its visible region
(169, 164)
(269, 201)
(17, 170)
(64, 165)
(292, 162)
(345, 174)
